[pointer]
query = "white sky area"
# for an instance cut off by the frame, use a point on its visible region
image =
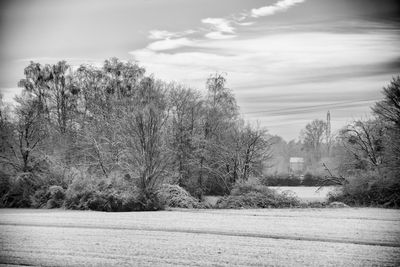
(287, 61)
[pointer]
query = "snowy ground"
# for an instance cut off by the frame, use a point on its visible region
(279, 237)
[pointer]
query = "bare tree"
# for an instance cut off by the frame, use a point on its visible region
(314, 134)
(220, 114)
(256, 151)
(144, 136)
(20, 149)
(364, 140)
(186, 112)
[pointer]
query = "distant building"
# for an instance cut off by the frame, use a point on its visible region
(296, 166)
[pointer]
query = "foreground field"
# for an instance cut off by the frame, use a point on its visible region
(284, 237)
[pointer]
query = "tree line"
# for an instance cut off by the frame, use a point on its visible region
(97, 134)
(116, 122)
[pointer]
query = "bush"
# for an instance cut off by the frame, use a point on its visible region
(4, 187)
(112, 200)
(367, 190)
(242, 188)
(311, 180)
(175, 196)
(104, 195)
(252, 195)
(213, 187)
(20, 190)
(48, 197)
(316, 180)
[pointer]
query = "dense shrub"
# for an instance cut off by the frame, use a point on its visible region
(311, 180)
(43, 189)
(175, 196)
(242, 188)
(48, 197)
(112, 200)
(253, 195)
(20, 190)
(214, 187)
(4, 187)
(367, 190)
(109, 195)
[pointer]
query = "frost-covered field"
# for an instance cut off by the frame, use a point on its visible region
(283, 237)
(308, 193)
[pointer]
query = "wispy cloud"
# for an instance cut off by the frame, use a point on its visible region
(219, 35)
(219, 28)
(279, 6)
(157, 34)
(282, 73)
(287, 69)
(262, 60)
(219, 24)
(249, 23)
(168, 44)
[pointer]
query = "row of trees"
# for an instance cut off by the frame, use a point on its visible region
(117, 121)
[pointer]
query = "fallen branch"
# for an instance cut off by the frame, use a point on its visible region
(331, 179)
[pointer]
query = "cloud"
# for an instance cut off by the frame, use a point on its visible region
(169, 44)
(219, 24)
(245, 23)
(220, 28)
(157, 34)
(219, 35)
(279, 6)
(283, 75)
(302, 56)
(304, 72)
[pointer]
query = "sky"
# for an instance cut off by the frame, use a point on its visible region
(287, 61)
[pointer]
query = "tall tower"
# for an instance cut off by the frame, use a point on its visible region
(328, 125)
